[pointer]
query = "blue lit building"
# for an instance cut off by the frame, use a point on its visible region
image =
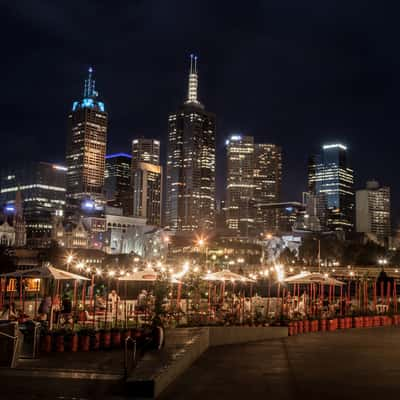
(86, 148)
(330, 177)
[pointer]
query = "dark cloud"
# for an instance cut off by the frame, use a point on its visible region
(295, 73)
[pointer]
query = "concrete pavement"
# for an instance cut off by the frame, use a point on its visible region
(351, 364)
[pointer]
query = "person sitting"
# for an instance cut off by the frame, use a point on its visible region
(66, 304)
(100, 303)
(142, 300)
(45, 305)
(9, 313)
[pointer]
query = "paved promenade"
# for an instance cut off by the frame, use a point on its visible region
(351, 364)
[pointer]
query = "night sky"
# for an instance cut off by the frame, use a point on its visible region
(295, 73)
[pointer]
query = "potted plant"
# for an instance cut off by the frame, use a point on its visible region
(105, 338)
(71, 341)
(322, 324)
(94, 340)
(84, 339)
(116, 337)
(59, 340)
(46, 341)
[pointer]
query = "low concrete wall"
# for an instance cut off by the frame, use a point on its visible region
(223, 335)
(210, 337)
(181, 364)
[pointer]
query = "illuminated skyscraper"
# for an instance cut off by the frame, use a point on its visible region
(190, 204)
(40, 188)
(254, 177)
(145, 150)
(240, 187)
(117, 178)
(267, 173)
(373, 211)
(86, 148)
(330, 177)
(147, 180)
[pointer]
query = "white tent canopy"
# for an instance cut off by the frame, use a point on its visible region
(46, 271)
(313, 277)
(226, 275)
(147, 275)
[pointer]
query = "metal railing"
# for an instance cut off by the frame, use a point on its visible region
(15, 348)
(129, 355)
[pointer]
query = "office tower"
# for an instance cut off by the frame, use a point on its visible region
(267, 172)
(240, 187)
(373, 212)
(190, 204)
(36, 191)
(145, 150)
(278, 218)
(147, 180)
(329, 176)
(86, 148)
(117, 178)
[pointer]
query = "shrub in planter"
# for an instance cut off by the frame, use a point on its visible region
(59, 340)
(46, 342)
(300, 327)
(322, 325)
(95, 340)
(332, 324)
(84, 339)
(71, 341)
(116, 337)
(291, 329)
(306, 326)
(105, 338)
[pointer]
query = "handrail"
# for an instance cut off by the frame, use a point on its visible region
(129, 362)
(8, 336)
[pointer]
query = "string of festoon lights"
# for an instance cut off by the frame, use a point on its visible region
(277, 272)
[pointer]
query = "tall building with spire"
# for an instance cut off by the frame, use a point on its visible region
(190, 204)
(86, 148)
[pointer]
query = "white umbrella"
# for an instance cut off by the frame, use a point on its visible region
(51, 272)
(44, 272)
(226, 275)
(147, 275)
(313, 277)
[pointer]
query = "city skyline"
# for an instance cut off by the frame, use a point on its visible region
(277, 99)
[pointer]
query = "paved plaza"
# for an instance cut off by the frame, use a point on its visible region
(351, 364)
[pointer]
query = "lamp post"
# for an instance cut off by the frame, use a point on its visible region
(202, 243)
(70, 259)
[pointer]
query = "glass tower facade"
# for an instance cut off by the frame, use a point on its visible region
(240, 187)
(331, 177)
(86, 148)
(42, 189)
(117, 178)
(190, 204)
(147, 180)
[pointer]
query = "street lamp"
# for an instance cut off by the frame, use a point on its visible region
(70, 259)
(382, 261)
(202, 243)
